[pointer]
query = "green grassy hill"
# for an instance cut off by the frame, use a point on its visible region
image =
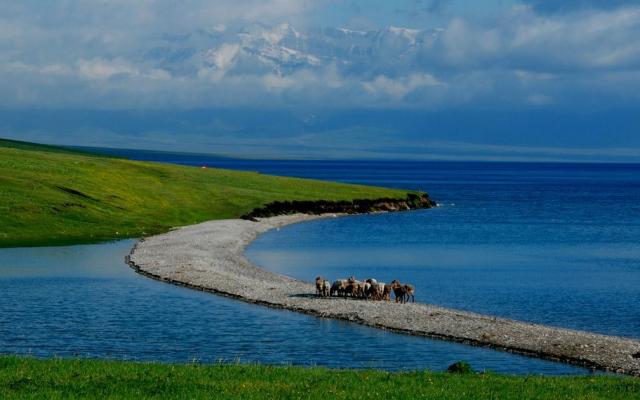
(54, 196)
(84, 379)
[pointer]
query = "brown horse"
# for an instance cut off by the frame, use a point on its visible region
(352, 287)
(386, 293)
(398, 290)
(319, 286)
(326, 288)
(409, 292)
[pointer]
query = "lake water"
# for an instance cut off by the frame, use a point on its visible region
(545, 243)
(549, 243)
(83, 301)
(553, 243)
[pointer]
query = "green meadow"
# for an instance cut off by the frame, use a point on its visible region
(87, 379)
(54, 196)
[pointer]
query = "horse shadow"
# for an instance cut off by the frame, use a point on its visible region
(304, 295)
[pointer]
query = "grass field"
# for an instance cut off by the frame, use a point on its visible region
(53, 196)
(70, 379)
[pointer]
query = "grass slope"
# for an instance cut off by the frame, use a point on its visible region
(54, 196)
(71, 379)
(17, 144)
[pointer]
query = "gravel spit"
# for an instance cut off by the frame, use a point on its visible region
(210, 257)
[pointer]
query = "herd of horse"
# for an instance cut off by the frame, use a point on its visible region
(369, 289)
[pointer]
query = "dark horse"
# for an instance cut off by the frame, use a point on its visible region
(398, 290)
(403, 293)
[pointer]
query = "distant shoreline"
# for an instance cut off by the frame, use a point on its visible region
(210, 257)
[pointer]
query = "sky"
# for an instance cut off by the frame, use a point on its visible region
(523, 80)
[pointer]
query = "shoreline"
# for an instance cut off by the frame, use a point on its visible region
(210, 257)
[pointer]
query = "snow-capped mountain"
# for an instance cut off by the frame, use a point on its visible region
(282, 49)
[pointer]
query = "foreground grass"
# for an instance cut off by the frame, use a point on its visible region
(70, 379)
(54, 196)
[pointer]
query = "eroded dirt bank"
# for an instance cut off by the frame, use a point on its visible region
(413, 201)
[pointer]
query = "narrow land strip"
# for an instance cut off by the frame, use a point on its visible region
(210, 257)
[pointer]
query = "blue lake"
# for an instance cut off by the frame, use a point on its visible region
(549, 243)
(83, 301)
(539, 242)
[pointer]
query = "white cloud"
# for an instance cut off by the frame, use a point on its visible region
(464, 43)
(193, 55)
(56, 69)
(529, 76)
(539, 99)
(398, 88)
(581, 39)
(277, 83)
(101, 69)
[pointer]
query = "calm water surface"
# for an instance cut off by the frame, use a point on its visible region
(83, 301)
(549, 243)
